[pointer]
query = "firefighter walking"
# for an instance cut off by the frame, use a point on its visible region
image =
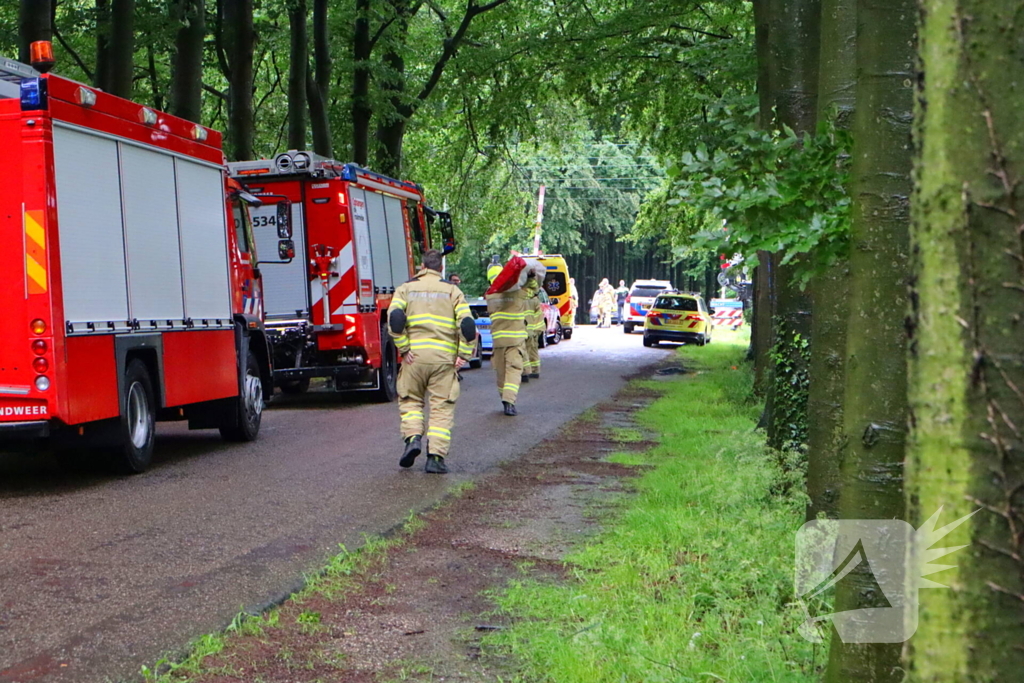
(535, 326)
(507, 311)
(434, 331)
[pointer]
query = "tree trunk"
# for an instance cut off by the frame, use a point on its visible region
(876, 391)
(966, 359)
(297, 75)
(837, 80)
(793, 43)
(361, 110)
(121, 64)
(764, 296)
(102, 74)
(237, 29)
(391, 126)
(319, 87)
(35, 22)
(187, 66)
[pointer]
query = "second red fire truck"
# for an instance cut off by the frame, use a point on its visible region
(362, 234)
(129, 286)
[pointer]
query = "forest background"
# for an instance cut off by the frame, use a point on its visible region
(866, 156)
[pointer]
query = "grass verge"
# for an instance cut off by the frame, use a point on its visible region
(691, 580)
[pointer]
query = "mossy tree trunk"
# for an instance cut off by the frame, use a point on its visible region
(238, 38)
(837, 82)
(876, 392)
(318, 84)
(967, 355)
(793, 42)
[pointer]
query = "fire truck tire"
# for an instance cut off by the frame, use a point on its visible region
(294, 387)
(137, 429)
(242, 423)
(387, 376)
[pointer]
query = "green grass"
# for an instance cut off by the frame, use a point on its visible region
(691, 579)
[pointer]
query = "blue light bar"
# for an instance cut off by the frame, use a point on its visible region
(33, 94)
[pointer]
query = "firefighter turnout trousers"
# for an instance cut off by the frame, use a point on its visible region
(532, 362)
(508, 368)
(415, 381)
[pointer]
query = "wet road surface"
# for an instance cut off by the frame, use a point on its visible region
(101, 574)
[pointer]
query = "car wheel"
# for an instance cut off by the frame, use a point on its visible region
(627, 328)
(648, 341)
(137, 429)
(242, 423)
(558, 334)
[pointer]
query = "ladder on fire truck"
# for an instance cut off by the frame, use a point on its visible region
(11, 75)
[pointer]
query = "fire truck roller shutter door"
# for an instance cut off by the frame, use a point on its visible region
(396, 240)
(380, 251)
(361, 237)
(151, 229)
(204, 247)
(91, 227)
(285, 285)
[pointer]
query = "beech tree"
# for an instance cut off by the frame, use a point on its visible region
(966, 360)
(187, 63)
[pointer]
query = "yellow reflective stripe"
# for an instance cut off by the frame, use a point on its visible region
(399, 303)
(433, 344)
(440, 432)
(430, 318)
(463, 310)
(412, 415)
(512, 334)
(512, 387)
(501, 315)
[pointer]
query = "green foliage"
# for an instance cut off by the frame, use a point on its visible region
(691, 579)
(790, 358)
(769, 190)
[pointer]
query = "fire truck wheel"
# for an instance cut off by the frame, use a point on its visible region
(298, 386)
(138, 420)
(387, 376)
(242, 423)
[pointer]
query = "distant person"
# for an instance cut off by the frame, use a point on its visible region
(574, 298)
(455, 279)
(621, 292)
(605, 300)
(435, 332)
(507, 311)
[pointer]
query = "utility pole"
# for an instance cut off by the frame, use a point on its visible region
(540, 219)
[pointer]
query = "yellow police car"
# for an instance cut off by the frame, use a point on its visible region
(678, 317)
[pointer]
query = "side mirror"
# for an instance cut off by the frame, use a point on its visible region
(284, 220)
(285, 249)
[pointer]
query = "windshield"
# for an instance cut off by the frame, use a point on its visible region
(555, 283)
(647, 291)
(676, 303)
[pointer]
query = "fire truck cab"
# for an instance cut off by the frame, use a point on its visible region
(362, 234)
(129, 287)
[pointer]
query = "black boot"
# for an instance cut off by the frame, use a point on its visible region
(525, 379)
(435, 465)
(412, 451)
(510, 408)
(534, 375)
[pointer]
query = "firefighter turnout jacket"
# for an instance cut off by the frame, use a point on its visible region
(430, 318)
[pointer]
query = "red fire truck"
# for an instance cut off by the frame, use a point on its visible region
(362, 233)
(129, 287)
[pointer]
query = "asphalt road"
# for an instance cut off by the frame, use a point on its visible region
(100, 574)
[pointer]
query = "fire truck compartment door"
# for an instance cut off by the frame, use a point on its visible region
(285, 285)
(204, 247)
(90, 227)
(361, 236)
(151, 227)
(396, 239)
(380, 250)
